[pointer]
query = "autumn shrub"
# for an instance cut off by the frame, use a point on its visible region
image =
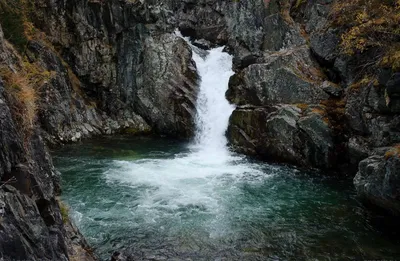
(370, 24)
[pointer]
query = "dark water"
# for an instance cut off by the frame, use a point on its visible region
(162, 200)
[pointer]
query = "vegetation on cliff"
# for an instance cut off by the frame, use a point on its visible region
(370, 24)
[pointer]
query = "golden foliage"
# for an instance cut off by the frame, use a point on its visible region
(392, 58)
(302, 106)
(368, 23)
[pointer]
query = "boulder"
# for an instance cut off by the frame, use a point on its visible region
(284, 133)
(378, 180)
(286, 77)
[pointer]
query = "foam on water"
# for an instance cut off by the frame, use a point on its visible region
(196, 178)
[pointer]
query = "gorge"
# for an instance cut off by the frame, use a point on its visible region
(305, 88)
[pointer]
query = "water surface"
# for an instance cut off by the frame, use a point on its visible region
(165, 200)
(266, 212)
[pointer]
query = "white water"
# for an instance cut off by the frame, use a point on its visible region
(201, 176)
(213, 110)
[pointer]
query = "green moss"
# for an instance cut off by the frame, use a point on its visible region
(64, 209)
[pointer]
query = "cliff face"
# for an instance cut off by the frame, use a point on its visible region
(31, 224)
(122, 55)
(101, 67)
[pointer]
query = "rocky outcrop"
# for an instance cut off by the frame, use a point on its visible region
(378, 178)
(284, 133)
(282, 97)
(166, 95)
(109, 66)
(288, 77)
(125, 69)
(66, 112)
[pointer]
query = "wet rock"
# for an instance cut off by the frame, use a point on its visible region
(23, 233)
(283, 133)
(31, 226)
(318, 138)
(358, 149)
(10, 143)
(378, 180)
(203, 44)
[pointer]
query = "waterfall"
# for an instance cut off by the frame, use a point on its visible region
(197, 175)
(213, 110)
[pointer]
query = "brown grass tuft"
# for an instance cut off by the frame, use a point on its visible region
(393, 152)
(23, 97)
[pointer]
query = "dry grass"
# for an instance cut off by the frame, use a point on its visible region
(365, 81)
(322, 111)
(285, 12)
(22, 88)
(23, 97)
(335, 109)
(393, 152)
(310, 74)
(392, 58)
(302, 106)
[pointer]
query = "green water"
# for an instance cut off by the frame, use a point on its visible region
(163, 200)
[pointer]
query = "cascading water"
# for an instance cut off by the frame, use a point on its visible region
(163, 200)
(192, 178)
(212, 107)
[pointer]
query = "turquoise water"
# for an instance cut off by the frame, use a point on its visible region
(159, 200)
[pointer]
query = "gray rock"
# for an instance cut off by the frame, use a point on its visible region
(167, 96)
(319, 145)
(286, 77)
(378, 181)
(332, 89)
(282, 133)
(325, 45)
